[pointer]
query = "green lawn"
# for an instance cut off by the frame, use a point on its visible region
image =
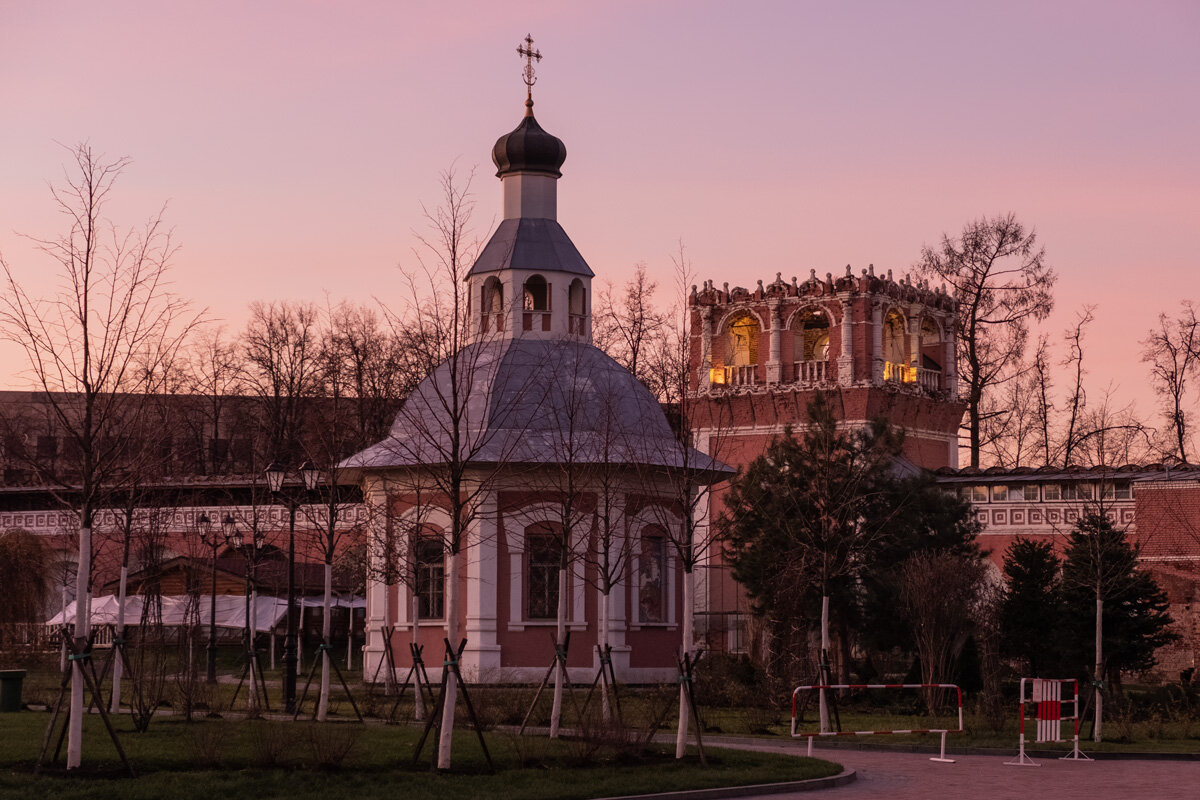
(264, 759)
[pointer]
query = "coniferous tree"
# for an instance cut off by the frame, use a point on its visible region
(1100, 563)
(1031, 609)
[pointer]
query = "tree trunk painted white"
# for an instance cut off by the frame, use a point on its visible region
(560, 669)
(118, 666)
(62, 659)
(446, 737)
(419, 697)
(602, 635)
(326, 634)
(252, 625)
(689, 643)
(1098, 675)
(75, 722)
(821, 674)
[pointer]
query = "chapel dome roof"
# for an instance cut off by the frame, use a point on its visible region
(535, 401)
(529, 148)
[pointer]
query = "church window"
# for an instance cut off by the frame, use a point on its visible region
(652, 570)
(1052, 491)
(491, 298)
(979, 494)
(1030, 492)
(576, 306)
(537, 294)
(999, 494)
(543, 554)
(429, 567)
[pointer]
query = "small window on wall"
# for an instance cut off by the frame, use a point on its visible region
(999, 494)
(1077, 491)
(1030, 492)
(1106, 491)
(1124, 491)
(979, 494)
(430, 568)
(543, 555)
(1052, 491)
(652, 576)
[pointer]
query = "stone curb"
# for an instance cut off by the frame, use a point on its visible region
(754, 790)
(1112, 755)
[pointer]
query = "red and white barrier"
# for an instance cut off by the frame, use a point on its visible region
(1046, 697)
(943, 731)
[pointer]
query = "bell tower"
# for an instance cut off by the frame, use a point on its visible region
(530, 281)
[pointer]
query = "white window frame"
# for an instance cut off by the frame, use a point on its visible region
(634, 528)
(515, 523)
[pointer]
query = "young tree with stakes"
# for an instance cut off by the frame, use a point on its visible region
(87, 346)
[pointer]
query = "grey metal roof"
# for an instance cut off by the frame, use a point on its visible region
(534, 402)
(530, 243)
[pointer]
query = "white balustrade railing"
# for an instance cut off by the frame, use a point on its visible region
(810, 371)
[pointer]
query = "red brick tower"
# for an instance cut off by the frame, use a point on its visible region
(882, 347)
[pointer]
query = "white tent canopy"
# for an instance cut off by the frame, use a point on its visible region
(231, 610)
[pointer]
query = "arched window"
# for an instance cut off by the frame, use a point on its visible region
(491, 296)
(742, 348)
(931, 340)
(429, 574)
(537, 294)
(652, 575)
(543, 558)
(812, 336)
(895, 355)
(491, 304)
(576, 306)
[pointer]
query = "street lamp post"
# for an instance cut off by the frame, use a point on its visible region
(275, 475)
(214, 540)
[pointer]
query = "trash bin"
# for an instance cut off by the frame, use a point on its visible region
(10, 689)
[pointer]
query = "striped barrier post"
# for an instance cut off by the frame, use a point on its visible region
(810, 735)
(1046, 697)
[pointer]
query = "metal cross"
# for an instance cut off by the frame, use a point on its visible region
(530, 55)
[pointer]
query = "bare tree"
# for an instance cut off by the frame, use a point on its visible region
(939, 591)
(1173, 352)
(1076, 400)
(85, 345)
(626, 326)
(282, 344)
(702, 425)
(998, 274)
(440, 451)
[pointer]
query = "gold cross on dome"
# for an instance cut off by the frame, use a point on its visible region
(530, 55)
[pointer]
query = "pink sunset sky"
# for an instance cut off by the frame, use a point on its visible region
(296, 141)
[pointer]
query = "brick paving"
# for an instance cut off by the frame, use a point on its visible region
(909, 776)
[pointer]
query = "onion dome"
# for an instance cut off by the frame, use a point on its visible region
(528, 148)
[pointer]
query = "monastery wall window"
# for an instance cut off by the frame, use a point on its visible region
(1052, 491)
(999, 493)
(652, 576)
(1029, 492)
(429, 568)
(1077, 491)
(979, 494)
(543, 557)
(1124, 490)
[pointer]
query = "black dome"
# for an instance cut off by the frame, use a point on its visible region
(528, 148)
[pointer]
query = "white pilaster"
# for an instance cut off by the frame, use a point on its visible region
(774, 365)
(846, 359)
(482, 654)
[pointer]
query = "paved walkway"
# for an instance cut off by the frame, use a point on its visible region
(909, 776)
